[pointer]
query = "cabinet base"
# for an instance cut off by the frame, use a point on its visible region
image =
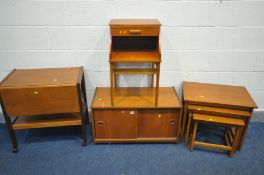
(138, 140)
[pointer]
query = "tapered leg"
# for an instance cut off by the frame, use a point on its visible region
(183, 121)
(157, 84)
(188, 128)
(112, 83)
(85, 99)
(194, 134)
(9, 128)
(84, 132)
(152, 76)
(83, 116)
(243, 134)
(236, 141)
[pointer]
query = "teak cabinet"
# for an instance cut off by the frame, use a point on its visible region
(134, 118)
(135, 41)
(38, 98)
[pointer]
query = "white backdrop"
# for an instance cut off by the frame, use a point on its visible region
(204, 41)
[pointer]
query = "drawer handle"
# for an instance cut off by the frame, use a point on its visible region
(135, 31)
(100, 123)
(36, 92)
(159, 116)
(172, 122)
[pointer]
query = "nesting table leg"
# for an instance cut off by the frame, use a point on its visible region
(183, 122)
(243, 134)
(236, 140)
(194, 134)
(188, 128)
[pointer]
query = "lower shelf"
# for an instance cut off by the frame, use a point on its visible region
(43, 121)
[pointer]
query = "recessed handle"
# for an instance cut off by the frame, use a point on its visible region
(172, 122)
(135, 31)
(100, 123)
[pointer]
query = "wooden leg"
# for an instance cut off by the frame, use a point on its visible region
(236, 140)
(112, 84)
(85, 99)
(194, 134)
(183, 121)
(83, 116)
(115, 80)
(9, 128)
(188, 128)
(157, 84)
(243, 134)
(152, 76)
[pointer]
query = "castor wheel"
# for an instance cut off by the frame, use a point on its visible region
(15, 150)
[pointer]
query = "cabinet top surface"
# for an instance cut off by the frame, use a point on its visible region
(217, 94)
(134, 22)
(136, 98)
(135, 57)
(38, 77)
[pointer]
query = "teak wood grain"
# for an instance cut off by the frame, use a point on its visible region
(128, 97)
(217, 95)
(216, 99)
(29, 93)
(134, 118)
(158, 123)
(135, 57)
(134, 22)
(218, 111)
(35, 100)
(219, 120)
(45, 77)
(134, 41)
(216, 120)
(45, 121)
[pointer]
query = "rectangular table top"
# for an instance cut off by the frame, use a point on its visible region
(136, 98)
(217, 95)
(38, 77)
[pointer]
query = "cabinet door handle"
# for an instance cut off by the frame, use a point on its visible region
(135, 31)
(100, 123)
(172, 122)
(131, 112)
